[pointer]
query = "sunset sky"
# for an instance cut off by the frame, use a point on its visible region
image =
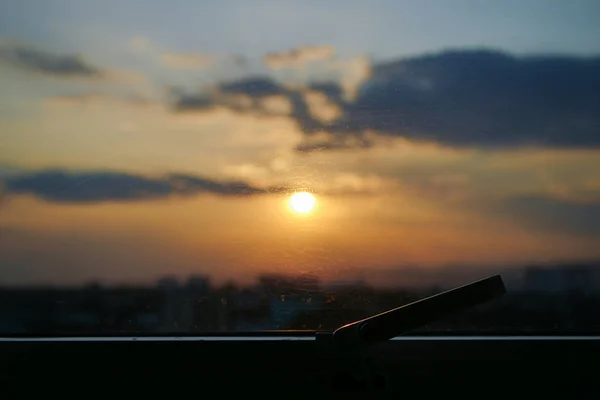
(147, 138)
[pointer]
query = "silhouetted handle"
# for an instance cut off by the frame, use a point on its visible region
(400, 320)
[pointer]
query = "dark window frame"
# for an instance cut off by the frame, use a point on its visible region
(293, 363)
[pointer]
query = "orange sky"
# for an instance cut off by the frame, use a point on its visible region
(398, 202)
(236, 238)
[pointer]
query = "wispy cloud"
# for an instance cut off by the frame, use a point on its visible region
(90, 187)
(306, 64)
(299, 57)
(36, 60)
(314, 108)
(64, 186)
(92, 98)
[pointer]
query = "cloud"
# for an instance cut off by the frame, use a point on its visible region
(33, 60)
(90, 187)
(90, 98)
(252, 86)
(36, 60)
(192, 102)
(482, 99)
(174, 60)
(276, 105)
(255, 94)
(321, 107)
(547, 213)
(314, 108)
(468, 98)
(331, 89)
(298, 57)
(475, 98)
(353, 73)
(325, 141)
(187, 61)
(319, 63)
(63, 186)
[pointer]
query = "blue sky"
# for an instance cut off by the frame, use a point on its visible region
(383, 28)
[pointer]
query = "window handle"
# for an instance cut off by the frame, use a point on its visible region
(395, 322)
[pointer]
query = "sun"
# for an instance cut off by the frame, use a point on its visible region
(302, 202)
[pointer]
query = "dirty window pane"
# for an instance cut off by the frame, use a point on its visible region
(192, 166)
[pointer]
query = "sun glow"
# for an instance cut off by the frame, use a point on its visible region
(302, 202)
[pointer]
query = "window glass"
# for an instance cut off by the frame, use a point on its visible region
(192, 166)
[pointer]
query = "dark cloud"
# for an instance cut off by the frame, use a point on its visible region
(186, 184)
(301, 114)
(459, 98)
(483, 98)
(253, 87)
(62, 186)
(332, 90)
(322, 145)
(182, 100)
(256, 88)
(36, 60)
(187, 102)
(554, 215)
(335, 142)
(88, 187)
